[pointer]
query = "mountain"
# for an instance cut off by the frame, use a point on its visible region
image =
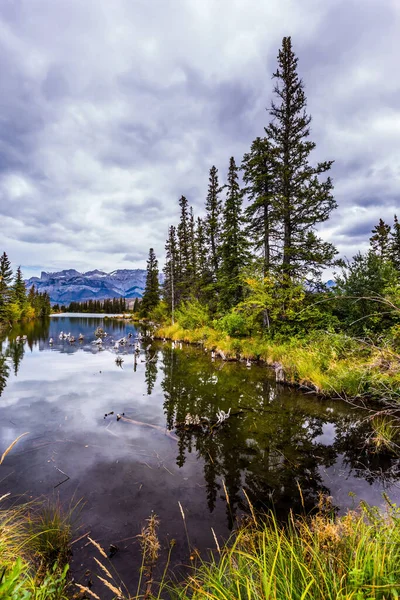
(71, 286)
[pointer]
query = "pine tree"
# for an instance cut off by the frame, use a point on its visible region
(171, 270)
(380, 240)
(395, 244)
(204, 275)
(151, 295)
(302, 200)
(192, 245)
(234, 245)
(184, 271)
(213, 220)
(258, 175)
(6, 276)
(19, 289)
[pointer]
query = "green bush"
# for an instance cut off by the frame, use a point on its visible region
(234, 324)
(192, 314)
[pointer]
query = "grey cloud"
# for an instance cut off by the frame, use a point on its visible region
(108, 114)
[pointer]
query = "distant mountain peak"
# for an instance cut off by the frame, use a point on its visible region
(70, 285)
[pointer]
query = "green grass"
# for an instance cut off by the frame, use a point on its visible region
(326, 558)
(34, 551)
(330, 364)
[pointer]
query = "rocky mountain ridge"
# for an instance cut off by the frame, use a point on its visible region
(70, 285)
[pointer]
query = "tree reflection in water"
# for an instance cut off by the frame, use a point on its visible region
(273, 445)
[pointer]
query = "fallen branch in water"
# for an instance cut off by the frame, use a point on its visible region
(168, 433)
(64, 480)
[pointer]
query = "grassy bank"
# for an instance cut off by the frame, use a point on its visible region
(329, 364)
(34, 551)
(325, 558)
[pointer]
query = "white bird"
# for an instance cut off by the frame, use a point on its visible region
(60, 337)
(116, 345)
(50, 340)
(80, 337)
(212, 354)
(18, 338)
(24, 338)
(99, 342)
(248, 364)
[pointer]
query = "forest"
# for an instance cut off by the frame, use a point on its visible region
(16, 304)
(248, 280)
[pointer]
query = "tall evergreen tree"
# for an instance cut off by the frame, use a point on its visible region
(6, 276)
(395, 244)
(233, 247)
(258, 175)
(192, 244)
(204, 275)
(171, 275)
(19, 289)
(380, 240)
(151, 295)
(303, 200)
(213, 220)
(185, 267)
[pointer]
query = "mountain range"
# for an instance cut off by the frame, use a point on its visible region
(71, 286)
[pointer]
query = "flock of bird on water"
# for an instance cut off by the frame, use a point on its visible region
(128, 340)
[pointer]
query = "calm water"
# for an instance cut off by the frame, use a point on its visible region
(276, 439)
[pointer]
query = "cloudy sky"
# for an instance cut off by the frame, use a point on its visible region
(112, 109)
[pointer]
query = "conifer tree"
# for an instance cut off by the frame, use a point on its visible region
(213, 220)
(258, 175)
(234, 245)
(380, 240)
(303, 200)
(192, 243)
(19, 289)
(171, 270)
(184, 251)
(151, 295)
(204, 276)
(395, 244)
(6, 276)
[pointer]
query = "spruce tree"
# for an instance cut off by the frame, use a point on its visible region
(380, 240)
(19, 289)
(234, 245)
(151, 295)
(184, 278)
(258, 175)
(204, 275)
(6, 276)
(395, 244)
(213, 220)
(192, 245)
(302, 199)
(170, 271)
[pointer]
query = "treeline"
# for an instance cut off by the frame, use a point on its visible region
(259, 267)
(15, 303)
(109, 306)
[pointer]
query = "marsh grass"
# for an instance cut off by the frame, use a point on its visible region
(330, 364)
(323, 557)
(28, 571)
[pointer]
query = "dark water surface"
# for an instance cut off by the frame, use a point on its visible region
(276, 440)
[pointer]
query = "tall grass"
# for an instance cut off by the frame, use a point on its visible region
(326, 558)
(34, 550)
(329, 364)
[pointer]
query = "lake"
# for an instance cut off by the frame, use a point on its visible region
(276, 441)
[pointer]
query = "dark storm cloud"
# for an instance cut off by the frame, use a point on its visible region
(109, 112)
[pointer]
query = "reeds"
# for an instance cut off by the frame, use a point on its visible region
(323, 557)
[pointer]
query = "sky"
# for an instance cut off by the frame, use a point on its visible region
(111, 110)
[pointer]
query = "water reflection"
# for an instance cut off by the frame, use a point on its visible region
(276, 442)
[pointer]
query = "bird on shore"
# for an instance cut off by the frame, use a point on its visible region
(50, 341)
